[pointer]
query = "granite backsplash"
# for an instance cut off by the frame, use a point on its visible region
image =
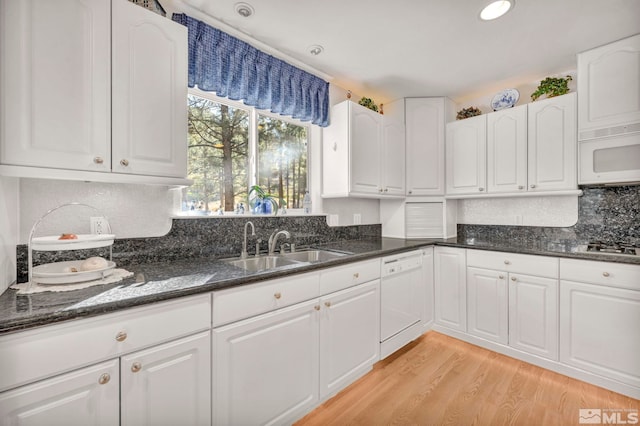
(607, 214)
(207, 238)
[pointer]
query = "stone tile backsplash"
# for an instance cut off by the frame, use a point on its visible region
(208, 238)
(608, 214)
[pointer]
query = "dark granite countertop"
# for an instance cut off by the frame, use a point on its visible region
(155, 282)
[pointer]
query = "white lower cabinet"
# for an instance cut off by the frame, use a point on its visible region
(450, 288)
(349, 336)
(275, 367)
(511, 306)
(168, 384)
(88, 396)
(266, 367)
(599, 318)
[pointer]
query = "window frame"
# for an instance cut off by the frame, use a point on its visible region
(253, 112)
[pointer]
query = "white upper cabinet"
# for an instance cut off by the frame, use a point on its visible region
(92, 86)
(466, 148)
(425, 132)
(363, 154)
(552, 144)
(149, 121)
(56, 86)
(609, 88)
(507, 150)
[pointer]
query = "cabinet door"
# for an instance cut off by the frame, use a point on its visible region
(265, 369)
(149, 93)
(168, 384)
(466, 147)
(365, 135)
(427, 273)
(393, 148)
(56, 87)
(349, 335)
(599, 330)
(533, 315)
(488, 304)
(424, 121)
(609, 87)
(507, 150)
(89, 396)
(450, 288)
(552, 153)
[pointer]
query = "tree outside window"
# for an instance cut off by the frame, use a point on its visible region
(220, 145)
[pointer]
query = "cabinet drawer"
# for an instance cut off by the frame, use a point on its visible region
(539, 266)
(605, 273)
(335, 279)
(46, 351)
(243, 302)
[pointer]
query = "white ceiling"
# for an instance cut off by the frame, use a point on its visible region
(389, 49)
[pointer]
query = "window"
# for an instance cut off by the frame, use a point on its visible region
(223, 138)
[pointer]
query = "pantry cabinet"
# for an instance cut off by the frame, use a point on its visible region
(363, 154)
(91, 87)
(466, 151)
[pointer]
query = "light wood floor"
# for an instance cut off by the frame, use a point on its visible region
(439, 380)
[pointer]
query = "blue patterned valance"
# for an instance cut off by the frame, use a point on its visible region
(221, 63)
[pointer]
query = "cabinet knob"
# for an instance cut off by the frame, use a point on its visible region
(410, 192)
(278, 295)
(124, 162)
(520, 187)
(480, 189)
(356, 275)
(501, 277)
(136, 366)
(327, 304)
(98, 160)
(605, 274)
(514, 279)
(532, 186)
(386, 190)
(104, 379)
(121, 336)
(379, 189)
(317, 307)
(506, 262)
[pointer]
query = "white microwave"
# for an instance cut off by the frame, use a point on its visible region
(609, 160)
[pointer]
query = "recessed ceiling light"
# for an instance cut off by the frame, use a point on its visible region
(316, 49)
(244, 9)
(496, 9)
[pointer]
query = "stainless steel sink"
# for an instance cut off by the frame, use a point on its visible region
(262, 263)
(312, 255)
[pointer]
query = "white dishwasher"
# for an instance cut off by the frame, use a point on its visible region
(401, 295)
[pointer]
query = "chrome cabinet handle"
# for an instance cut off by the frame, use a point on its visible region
(520, 187)
(410, 192)
(501, 277)
(506, 262)
(98, 160)
(317, 307)
(121, 336)
(480, 189)
(104, 379)
(356, 275)
(124, 162)
(136, 366)
(327, 304)
(532, 186)
(605, 274)
(514, 279)
(278, 295)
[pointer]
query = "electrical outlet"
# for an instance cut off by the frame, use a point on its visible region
(99, 225)
(357, 218)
